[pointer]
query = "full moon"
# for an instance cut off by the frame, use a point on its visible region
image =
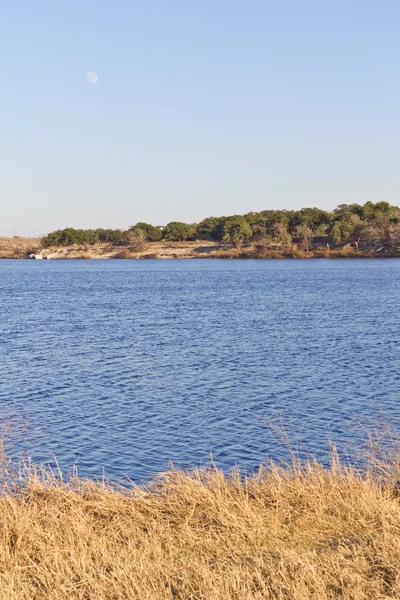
(92, 77)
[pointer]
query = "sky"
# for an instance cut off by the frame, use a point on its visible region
(200, 108)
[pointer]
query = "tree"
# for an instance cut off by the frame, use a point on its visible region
(67, 237)
(372, 211)
(259, 225)
(367, 224)
(346, 210)
(260, 235)
(305, 234)
(152, 234)
(277, 216)
(368, 233)
(341, 232)
(336, 234)
(210, 229)
(311, 217)
(179, 232)
(281, 234)
(136, 239)
(236, 230)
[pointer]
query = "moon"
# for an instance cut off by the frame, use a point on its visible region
(92, 77)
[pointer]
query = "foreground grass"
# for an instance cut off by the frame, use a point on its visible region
(286, 533)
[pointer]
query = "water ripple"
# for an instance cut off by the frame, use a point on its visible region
(127, 365)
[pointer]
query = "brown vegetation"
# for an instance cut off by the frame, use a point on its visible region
(19, 247)
(293, 533)
(124, 253)
(320, 248)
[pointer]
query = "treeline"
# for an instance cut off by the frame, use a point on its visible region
(356, 224)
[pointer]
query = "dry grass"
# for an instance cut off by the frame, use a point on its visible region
(19, 247)
(22, 247)
(297, 532)
(124, 253)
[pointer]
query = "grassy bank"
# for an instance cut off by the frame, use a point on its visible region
(285, 533)
(19, 247)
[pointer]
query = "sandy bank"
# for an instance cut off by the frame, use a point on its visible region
(25, 247)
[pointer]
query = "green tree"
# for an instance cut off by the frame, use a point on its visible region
(178, 232)
(276, 216)
(152, 234)
(210, 229)
(310, 217)
(345, 210)
(116, 237)
(341, 231)
(336, 233)
(236, 230)
(66, 237)
(366, 224)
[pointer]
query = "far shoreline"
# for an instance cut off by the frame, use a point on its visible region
(31, 248)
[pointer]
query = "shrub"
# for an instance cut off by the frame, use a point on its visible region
(124, 253)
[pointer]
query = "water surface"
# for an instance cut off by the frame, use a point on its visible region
(127, 365)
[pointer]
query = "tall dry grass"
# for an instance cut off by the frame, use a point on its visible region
(295, 532)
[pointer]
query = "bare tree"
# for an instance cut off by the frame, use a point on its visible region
(281, 234)
(305, 234)
(137, 239)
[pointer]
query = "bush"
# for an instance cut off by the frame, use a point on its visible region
(124, 253)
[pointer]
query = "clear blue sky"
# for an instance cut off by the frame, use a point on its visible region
(201, 108)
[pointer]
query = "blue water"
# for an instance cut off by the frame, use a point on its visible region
(123, 366)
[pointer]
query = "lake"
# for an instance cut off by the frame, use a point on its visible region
(124, 366)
